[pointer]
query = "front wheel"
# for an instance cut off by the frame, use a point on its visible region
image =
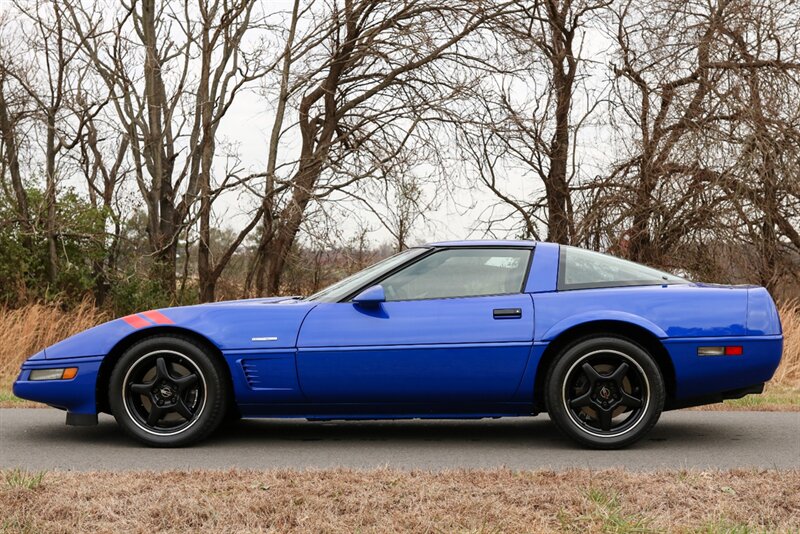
(168, 391)
(605, 392)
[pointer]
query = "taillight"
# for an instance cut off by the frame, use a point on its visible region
(727, 350)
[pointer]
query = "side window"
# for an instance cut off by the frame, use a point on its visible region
(584, 269)
(460, 272)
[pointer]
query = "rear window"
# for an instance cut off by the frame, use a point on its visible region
(585, 269)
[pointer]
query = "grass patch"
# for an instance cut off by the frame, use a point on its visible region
(9, 400)
(775, 395)
(7, 397)
(776, 398)
(608, 515)
(388, 500)
(22, 478)
(725, 527)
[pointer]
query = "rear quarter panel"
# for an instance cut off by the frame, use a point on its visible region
(666, 311)
(683, 317)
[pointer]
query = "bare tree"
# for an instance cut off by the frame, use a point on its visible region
(51, 79)
(374, 68)
(124, 108)
(101, 159)
(172, 72)
(709, 150)
(523, 118)
(399, 203)
(554, 30)
(11, 113)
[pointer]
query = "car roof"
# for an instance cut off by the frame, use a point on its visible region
(483, 243)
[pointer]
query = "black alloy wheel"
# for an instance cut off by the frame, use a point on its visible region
(168, 391)
(164, 392)
(605, 392)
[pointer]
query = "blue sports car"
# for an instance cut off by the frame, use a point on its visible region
(465, 329)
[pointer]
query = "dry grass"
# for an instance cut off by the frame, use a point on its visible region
(775, 398)
(27, 330)
(387, 500)
(788, 372)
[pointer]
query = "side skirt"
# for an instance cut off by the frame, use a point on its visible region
(386, 411)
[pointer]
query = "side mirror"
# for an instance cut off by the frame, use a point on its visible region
(370, 297)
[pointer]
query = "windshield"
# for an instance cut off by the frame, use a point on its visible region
(343, 288)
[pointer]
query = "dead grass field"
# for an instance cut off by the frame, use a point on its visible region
(401, 501)
(27, 330)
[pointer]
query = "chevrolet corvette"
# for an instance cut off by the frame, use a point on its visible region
(466, 329)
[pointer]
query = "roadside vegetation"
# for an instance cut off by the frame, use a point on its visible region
(658, 131)
(386, 500)
(26, 330)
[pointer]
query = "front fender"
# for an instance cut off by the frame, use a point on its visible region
(235, 325)
(96, 341)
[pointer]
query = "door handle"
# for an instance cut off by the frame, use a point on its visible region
(507, 313)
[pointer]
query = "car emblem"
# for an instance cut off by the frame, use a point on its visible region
(605, 393)
(166, 392)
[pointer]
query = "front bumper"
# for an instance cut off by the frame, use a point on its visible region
(77, 395)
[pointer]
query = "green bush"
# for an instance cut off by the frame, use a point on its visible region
(80, 245)
(133, 292)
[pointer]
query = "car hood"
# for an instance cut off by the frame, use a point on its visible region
(266, 323)
(247, 302)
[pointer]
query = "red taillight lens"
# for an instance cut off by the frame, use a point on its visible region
(719, 350)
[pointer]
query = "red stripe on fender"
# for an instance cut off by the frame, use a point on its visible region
(157, 317)
(135, 321)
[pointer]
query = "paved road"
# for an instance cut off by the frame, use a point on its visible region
(38, 439)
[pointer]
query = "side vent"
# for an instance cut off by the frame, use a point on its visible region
(272, 372)
(251, 373)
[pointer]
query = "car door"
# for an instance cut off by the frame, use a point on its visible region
(455, 328)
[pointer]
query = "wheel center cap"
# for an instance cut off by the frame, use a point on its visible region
(604, 393)
(166, 392)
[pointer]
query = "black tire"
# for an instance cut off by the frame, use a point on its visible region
(168, 391)
(614, 401)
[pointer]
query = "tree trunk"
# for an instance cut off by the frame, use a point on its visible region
(205, 110)
(259, 268)
(557, 188)
(12, 156)
(291, 219)
(164, 268)
(206, 280)
(564, 65)
(50, 199)
(160, 164)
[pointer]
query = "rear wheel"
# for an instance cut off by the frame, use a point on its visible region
(168, 391)
(605, 392)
